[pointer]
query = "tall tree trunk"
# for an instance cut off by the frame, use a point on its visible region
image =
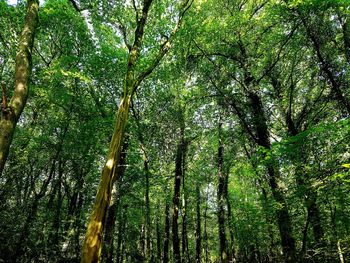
(185, 253)
(198, 226)
(221, 200)
(159, 239)
(205, 233)
(147, 251)
(121, 228)
(111, 218)
(166, 233)
(310, 195)
(282, 213)
(176, 198)
(92, 245)
(231, 251)
(10, 114)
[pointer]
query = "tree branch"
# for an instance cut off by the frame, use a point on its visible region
(165, 46)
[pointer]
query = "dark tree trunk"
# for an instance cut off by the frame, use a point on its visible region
(310, 196)
(185, 254)
(231, 251)
(221, 200)
(282, 214)
(346, 37)
(147, 252)
(205, 233)
(120, 250)
(198, 226)
(176, 199)
(159, 240)
(166, 233)
(111, 218)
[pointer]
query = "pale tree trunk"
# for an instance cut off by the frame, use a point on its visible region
(91, 250)
(10, 113)
(92, 244)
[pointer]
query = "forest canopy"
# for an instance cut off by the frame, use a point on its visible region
(157, 131)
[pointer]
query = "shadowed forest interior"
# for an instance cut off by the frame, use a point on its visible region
(184, 131)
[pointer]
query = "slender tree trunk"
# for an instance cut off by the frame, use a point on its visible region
(55, 238)
(10, 114)
(231, 251)
(148, 215)
(221, 200)
(205, 233)
(198, 226)
(176, 199)
(111, 218)
(159, 239)
(166, 233)
(185, 253)
(20, 245)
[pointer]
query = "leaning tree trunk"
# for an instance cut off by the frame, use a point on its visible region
(93, 239)
(10, 113)
(92, 245)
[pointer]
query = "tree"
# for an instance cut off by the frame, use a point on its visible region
(11, 112)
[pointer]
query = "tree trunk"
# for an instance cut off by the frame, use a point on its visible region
(111, 218)
(231, 251)
(346, 37)
(198, 226)
(176, 199)
(9, 115)
(282, 214)
(205, 233)
(221, 200)
(185, 253)
(166, 233)
(92, 245)
(147, 251)
(159, 239)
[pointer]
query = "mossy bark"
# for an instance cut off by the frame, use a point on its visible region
(10, 114)
(93, 239)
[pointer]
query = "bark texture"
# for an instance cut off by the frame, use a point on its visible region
(10, 113)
